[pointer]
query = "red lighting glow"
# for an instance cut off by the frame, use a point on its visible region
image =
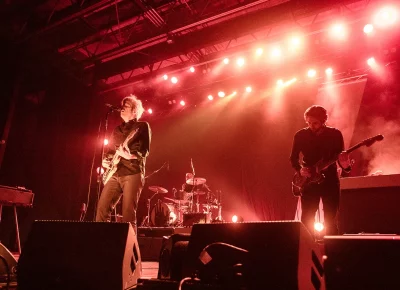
(339, 31)
(318, 227)
(191, 69)
(259, 51)
(386, 16)
(368, 28)
(240, 61)
(182, 103)
(174, 80)
(210, 97)
(105, 142)
(165, 77)
(226, 60)
(248, 89)
(312, 73)
(150, 111)
(221, 94)
(371, 61)
(329, 71)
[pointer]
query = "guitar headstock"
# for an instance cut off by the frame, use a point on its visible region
(368, 142)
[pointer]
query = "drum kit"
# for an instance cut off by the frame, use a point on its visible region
(171, 213)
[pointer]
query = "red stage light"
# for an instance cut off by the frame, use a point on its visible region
(312, 73)
(182, 103)
(221, 94)
(240, 61)
(386, 16)
(329, 71)
(174, 80)
(368, 28)
(210, 97)
(248, 89)
(191, 69)
(150, 111)
(226, 60)
(371, 61)
(106, 142)
(165, 77)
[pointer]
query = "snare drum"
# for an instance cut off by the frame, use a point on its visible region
(163, 215)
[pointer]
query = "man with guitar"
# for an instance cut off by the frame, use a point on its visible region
(126, 163)
(319, 144)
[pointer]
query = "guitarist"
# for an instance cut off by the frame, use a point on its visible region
(318, 142)
(129, 176)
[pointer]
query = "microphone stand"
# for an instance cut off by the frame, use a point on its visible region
(146, 220)
(100, 173)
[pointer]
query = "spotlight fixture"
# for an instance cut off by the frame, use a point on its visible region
(237, 219)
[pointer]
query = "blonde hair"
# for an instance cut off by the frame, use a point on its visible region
(136, 104)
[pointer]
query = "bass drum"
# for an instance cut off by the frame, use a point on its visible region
(163, 215)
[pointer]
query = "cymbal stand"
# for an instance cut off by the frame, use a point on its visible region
(219, 217)
(146, 220)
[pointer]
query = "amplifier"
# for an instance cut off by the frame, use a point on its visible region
(196, 218)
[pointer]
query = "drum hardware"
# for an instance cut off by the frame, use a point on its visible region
(156, 190)
(164, 215)
(196, 181)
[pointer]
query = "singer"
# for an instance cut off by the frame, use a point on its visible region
(128, 180)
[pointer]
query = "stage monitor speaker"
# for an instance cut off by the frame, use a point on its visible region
(8, 265)
(362, 262)
(68, 255)
(171, 256)
(268, 255)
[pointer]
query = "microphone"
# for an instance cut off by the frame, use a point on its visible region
(113, 108)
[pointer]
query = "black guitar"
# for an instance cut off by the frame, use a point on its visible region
(299, 183)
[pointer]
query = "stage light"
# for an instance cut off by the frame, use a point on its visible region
(371, 61)
(221, 94)
(279, 83)
(236, 219)
(318, 227)
(339, 31)
(259, 51)
(100, 169)
(226, 60)
(240, 61)
(210, 97)
(105, 142)
(182, 103)
(368, 28)
(174, 80)
(311, 73)
(329, 71)
(165, 77)
(150, 111)
(386, 16)
(191, 69)
(276, 53)
(295, 41)
(248, 89)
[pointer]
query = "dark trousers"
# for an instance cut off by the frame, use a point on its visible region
(329, 192)
(130, 186)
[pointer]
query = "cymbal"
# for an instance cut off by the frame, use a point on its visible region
(158, 189)
(196, 181)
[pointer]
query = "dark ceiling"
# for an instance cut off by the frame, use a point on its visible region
(111, 44)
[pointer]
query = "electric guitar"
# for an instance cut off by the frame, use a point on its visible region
(299, 183)
(117, 158)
